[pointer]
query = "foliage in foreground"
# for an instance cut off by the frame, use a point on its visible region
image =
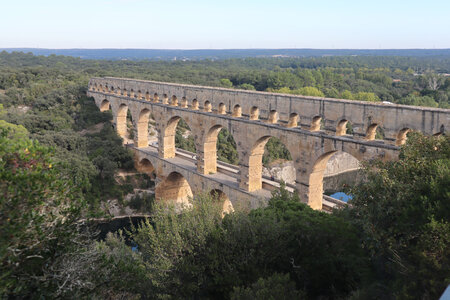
(200, 254)
(403, 211)
(393, 243)
(38, 214)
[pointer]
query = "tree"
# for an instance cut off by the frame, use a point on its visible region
(403, 210)
(365, 96)
(418, 101)
(309, 91)
(276, 286)
(39, 209)
(225, 82)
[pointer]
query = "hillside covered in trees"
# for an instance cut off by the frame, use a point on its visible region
(59, 155)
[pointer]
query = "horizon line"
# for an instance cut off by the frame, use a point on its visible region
(196, 49)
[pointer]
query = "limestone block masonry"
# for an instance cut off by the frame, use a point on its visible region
(312, 129)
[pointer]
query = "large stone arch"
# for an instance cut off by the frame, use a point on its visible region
(174, 189)
(320, 156)
(105, 105)
(167, 137)
(316, 176)
(144, 165)
(208, 152)
(251, 177)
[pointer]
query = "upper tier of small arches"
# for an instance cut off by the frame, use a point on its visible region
(373, 130)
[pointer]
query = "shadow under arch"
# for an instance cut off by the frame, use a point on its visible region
(256, 160)
(174, 189)
(224, 201)
(145, 166)
(225, 151)
(105, 105)
(322, 168)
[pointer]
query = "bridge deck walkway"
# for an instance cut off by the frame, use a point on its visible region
(183, 160)
(189, 165)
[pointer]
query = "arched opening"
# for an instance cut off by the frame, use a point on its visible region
(402, 136)
(165, 99)
(147, 96)
(155, 98)
(316, 123)
(145, 166)
(237, 111)
(225, 204)
(174, 189)
(118, 91)
(131, 93)
(121, 120)
(101, 88)
(344, 127)
(222, 109)
(331, 172)
(194, 104)
(374, 132)
(220, 145)
(174, 101)
(270, 156)
(141, 139)
(184, 102)
(125, 93)
(277, 162)
(112, 90)
(105, 105)
(207, 107)
(139, 95)
(254, 113)
(293, 120)
(273, 117)
(177, 135)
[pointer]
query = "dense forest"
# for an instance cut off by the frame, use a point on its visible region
(59, 154)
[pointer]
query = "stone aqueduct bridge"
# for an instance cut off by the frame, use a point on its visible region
(311, 128)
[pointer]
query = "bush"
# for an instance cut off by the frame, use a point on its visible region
(275, 287)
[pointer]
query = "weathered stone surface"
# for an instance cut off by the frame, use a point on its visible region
(284, 172)
(252, 118)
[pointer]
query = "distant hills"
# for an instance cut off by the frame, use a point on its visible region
(161, 54)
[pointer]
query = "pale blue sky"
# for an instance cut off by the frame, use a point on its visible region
(202, 24)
